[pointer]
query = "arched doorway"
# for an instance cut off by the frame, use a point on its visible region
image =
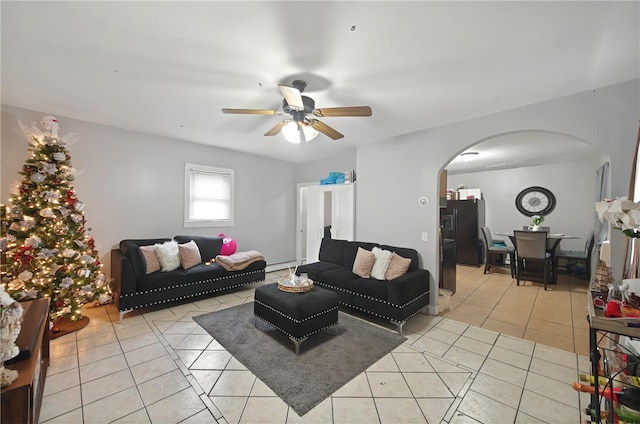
(506, 164)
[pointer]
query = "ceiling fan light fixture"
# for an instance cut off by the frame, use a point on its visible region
(469, 156)
(292, 133)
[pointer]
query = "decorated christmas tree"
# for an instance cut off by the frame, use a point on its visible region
(49, 252)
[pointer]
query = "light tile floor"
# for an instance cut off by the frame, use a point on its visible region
(556, 317)
(159, 366)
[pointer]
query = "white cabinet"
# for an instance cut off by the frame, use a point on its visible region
(329, 208)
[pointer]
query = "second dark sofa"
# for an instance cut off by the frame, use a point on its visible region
(396, 300)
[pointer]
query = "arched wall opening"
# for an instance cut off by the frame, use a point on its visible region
(508, 163)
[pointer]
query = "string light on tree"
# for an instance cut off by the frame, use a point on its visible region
(49, 251)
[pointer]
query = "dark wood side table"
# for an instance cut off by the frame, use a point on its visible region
(21, 400)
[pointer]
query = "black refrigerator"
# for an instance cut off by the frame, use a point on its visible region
(462, 221)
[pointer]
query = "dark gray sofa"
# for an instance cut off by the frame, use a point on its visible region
(396, 300)
(133, 288)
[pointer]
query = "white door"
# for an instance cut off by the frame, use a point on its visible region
(315, 222)
(329, 207)
(342, 212)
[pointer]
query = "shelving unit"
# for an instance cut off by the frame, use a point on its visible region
(611, 329)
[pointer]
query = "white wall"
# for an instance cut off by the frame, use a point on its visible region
(393, 174)
(132, 185)
(572, 183)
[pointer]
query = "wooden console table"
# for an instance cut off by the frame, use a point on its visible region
(21, 400)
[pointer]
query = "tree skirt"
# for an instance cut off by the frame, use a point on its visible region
(64, 326)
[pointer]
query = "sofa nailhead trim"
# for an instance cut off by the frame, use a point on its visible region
(192, 283)
(332, 287)
(297, 321)
(144, 305)
(293, 319)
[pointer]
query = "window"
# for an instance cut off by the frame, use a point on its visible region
(208, 196)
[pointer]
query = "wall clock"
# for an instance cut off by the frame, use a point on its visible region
(535, 201)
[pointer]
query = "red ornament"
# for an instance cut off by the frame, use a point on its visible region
(24, 257)
(70, 198)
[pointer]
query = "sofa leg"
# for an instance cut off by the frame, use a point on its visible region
(297, 343)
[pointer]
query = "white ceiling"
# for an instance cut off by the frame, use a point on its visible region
(167, 68)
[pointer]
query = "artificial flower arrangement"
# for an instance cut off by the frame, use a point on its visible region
(537, 219)
(622, 213)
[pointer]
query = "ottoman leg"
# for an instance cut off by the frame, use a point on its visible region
(297, 343)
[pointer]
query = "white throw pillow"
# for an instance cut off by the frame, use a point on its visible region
(168, 255)
(383, 259)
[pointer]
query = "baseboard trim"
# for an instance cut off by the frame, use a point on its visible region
(280, 266)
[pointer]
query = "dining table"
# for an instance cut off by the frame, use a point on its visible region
(553, 241)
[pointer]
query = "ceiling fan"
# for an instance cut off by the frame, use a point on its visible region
(298, 106)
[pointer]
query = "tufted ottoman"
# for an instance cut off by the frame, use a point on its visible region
(298, 315)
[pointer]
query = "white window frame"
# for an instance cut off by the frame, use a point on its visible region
(190, 169)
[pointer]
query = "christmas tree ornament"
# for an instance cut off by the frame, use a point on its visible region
(46, 213)
(86, 259)
(50, 125)
(25, 275)
(37, 178)
(15, 284)
(59, 228)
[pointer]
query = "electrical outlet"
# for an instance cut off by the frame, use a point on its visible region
(424, 236)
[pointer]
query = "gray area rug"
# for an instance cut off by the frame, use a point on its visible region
(327, 361)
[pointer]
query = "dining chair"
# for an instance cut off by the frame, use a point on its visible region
(573, 256)
(531, 248)
(496, 252)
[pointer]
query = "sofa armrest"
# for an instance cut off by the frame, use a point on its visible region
(408, 286)
(123, 279)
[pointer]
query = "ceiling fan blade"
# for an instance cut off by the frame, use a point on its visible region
(292, 96)
(325, 129)
(278, 127)
(252, 111)
(343, 111)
